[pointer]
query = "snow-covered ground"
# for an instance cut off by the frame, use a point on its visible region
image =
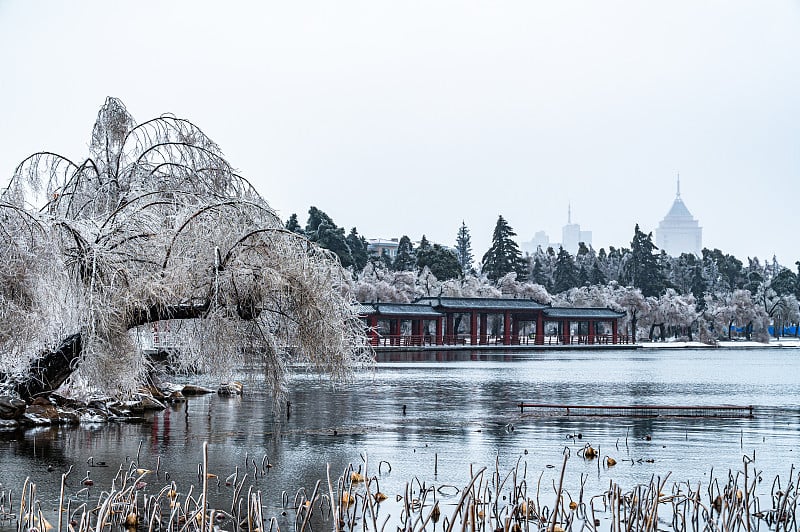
(783, 342)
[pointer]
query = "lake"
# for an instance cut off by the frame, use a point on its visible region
(432, 415)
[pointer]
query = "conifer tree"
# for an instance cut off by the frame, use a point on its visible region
(293, 225)
(597, 276)
(538, 274)
(424, 244)
(642, 270)
(464, 247)
(442, 262)
(405, 259)
(321, 229)
(566, 274)
(358, 249)
(504, 255)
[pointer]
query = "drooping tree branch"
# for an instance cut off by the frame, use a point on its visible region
(137, 234)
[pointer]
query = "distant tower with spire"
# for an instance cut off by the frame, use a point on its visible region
(571, 234)
(679, 232)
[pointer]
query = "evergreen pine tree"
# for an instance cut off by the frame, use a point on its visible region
(583, 277)
(464, 248)
(566, 274)
(316, 218)
(382, 261)
(442, 262)
(405, 260)
(321, 229)
(538, 274)
(597, 276)
(424, 244)
(642, 269)
(504, 255)
(698, 285)
(358, 249)
(293, 225)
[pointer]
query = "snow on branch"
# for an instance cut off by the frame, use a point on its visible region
(155, 225)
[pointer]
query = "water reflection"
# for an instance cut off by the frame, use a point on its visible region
(460, 409)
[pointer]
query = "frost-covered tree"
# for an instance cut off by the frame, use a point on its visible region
(724, 310)
(631, 301)
(155, 225)
(405, 283)
(614, 262)
(725, 271)
(428, 283)
(478, 286)
(464, 247)
(671, 312)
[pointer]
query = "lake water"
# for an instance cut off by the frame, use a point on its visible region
(460, 409)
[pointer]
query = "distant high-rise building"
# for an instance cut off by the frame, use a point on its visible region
(539, 240)
(571, 234)
(679, 232)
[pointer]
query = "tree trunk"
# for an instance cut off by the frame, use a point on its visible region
(663, 333)
(633, 328)
(49, 372)
(652, 328)
(730, 327)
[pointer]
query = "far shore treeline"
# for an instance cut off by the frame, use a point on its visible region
(707, 297)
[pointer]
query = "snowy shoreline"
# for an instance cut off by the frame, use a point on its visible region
(732, 344)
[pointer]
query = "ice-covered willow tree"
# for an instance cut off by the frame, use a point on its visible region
(156, 225)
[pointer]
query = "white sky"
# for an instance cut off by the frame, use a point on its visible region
(407, 117)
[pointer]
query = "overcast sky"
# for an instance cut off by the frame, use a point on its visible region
(409, 117)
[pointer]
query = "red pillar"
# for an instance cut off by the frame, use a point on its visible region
(416, 332)
(614, 331)
(507, 328)
(439, 330)
(448, 329)
(373, 330)
(398, 327)
(591, 331)
(566, 332)
(473, 328)
(539, 329)
(484, 328)
(514, 330)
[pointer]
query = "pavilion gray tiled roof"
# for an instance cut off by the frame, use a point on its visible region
(364, 309)
(403, 309)
(481, 303)
(582, 313)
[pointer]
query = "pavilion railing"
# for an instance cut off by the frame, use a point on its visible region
(421, 340)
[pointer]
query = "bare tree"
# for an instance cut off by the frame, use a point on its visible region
(156, 225)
